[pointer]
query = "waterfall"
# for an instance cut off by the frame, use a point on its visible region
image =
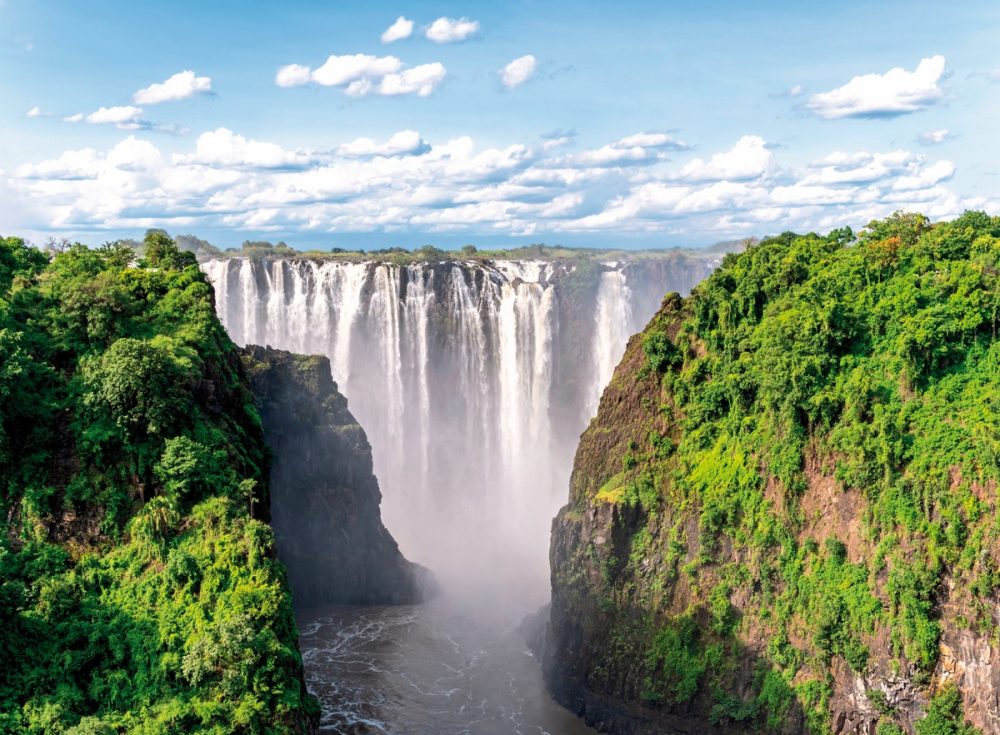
(613, 325)
(473, 380)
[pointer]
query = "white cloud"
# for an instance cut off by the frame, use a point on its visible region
(180, 86)
(125, 117)
(652, 140)
(399, 30)
(449, 30)
(925, 177)
(222, 148)
(795, 91)
(133, 154)
(71, 165)
(341, 70)
(897, 92)
(359, 75)
(557, 140)
(518, 71)
(293, 75)
(863, 168)
(935, 137)
(404, 184)
(632, 150)
(115, 115)
(750, 158)
(405, 142)
(35, 111)
(421, 80)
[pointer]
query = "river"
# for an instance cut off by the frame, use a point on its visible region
(439, 668)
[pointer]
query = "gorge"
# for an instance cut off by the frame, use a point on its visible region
(782, 519)
(472, 378)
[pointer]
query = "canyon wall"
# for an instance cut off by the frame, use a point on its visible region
(324, 496)
(783, 518)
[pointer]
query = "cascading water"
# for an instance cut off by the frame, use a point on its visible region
(472, 379)
(615, 323)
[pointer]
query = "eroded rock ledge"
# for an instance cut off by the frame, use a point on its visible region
(324, 495)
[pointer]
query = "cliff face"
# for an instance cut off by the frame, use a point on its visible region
(324, 495)
(783, 517)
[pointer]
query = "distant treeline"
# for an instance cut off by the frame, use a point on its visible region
(264, 249)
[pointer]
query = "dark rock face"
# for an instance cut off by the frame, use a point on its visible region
(593, 654)
(324, 496)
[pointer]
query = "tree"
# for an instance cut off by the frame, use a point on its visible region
(945, 716)
(162, 252)
(188, 468)
(117, 253)
(138, 385)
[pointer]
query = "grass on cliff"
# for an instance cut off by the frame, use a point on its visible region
(139, 591)
(808, 372)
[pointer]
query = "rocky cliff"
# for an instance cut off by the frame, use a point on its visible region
(784, 516)
(324, 495)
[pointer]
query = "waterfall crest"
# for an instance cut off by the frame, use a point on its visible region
(473, 381)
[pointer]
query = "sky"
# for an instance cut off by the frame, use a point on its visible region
(613, 124)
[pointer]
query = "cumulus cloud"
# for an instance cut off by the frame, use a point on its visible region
(70, 166)
(557, 139)
(925, 176)
(222, 148)
(632, 150)
(122, 115)
(450, 30)
(125, 117)
(341, 70)
(35, 111)
(795, 91)
(399, 30)
(403, 143)
(518, 71)
(293, 75)
(180, 86)
(403, 183)
(420, 80)
(359, 75)
(935, 137)
(750, 158)
(133, 154)
(897, 92)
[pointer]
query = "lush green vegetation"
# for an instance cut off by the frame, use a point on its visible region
(834, 413)
(138, 587)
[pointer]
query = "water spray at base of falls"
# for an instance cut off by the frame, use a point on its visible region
(473, 381)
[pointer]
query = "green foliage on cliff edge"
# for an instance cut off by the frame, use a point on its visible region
(139, 591)
(835, 405)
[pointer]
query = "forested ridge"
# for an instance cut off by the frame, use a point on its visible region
(139, 591)
(784, 517)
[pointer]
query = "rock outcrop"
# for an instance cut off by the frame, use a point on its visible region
(783, 517)
(324, 495)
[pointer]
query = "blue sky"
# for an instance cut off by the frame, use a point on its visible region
(626, 123)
